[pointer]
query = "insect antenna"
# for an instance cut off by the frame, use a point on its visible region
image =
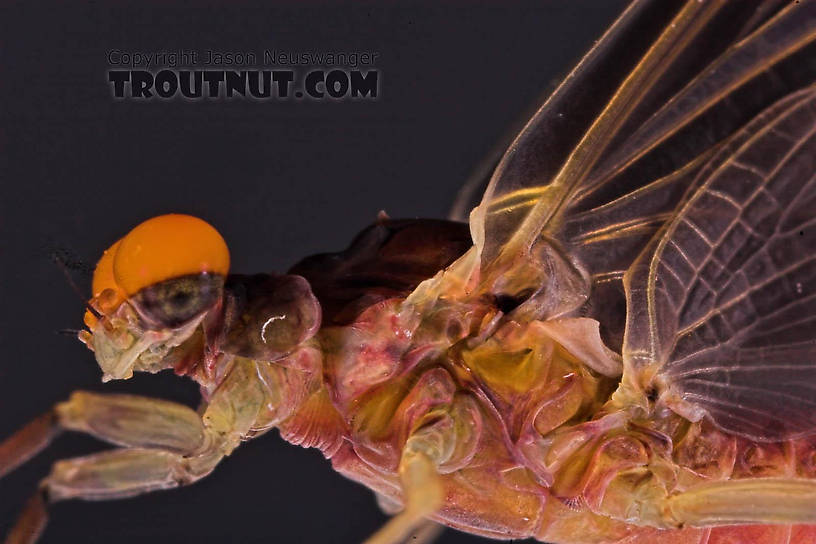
(66, 263)
(69, 332)
(60, 258)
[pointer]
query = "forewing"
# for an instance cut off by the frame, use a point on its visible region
(722, 303)
(652, 50)
(609, 157)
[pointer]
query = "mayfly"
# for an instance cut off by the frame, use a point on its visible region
(619, 347)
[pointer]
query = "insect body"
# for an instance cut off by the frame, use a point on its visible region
(619, 348)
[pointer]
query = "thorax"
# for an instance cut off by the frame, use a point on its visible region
(392, 371)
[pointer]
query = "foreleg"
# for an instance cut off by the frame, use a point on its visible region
(161, 440)
(164, 445)
(124, 420)
(109, 475)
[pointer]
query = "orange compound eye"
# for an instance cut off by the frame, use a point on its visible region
(165, 247)
(103, 280)
(103, 273)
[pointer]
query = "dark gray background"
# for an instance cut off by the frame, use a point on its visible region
(280, 180)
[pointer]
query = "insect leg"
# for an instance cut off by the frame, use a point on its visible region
(132, 421)
(421, 487)
(125, 472)
(30, 522)
(27, 442)
(124, 420)
(112, 474)
(165, 444)
(749, 501)
(142, 422)
(426, 533)
(174, 434)
(422, 493)
(752, 501)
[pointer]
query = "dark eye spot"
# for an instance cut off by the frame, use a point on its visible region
(180, 298)
(175, 301)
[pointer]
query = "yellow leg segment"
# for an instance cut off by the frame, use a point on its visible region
(427, 533)
(423, 496)
(749, 501)
(163, 444)
(133, 421)
(421, 488)
(124, 473)
(124, 420)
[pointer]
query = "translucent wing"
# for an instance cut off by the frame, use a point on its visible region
(678, 157)
(609, 157)
(722, 304)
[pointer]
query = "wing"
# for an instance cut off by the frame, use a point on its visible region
(722, 304)
(623, 158)
(605, 161)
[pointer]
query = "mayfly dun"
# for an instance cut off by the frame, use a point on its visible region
(617, 346)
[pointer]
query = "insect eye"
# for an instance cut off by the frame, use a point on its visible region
(166, 247)
(173, 302)
(159, 260)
